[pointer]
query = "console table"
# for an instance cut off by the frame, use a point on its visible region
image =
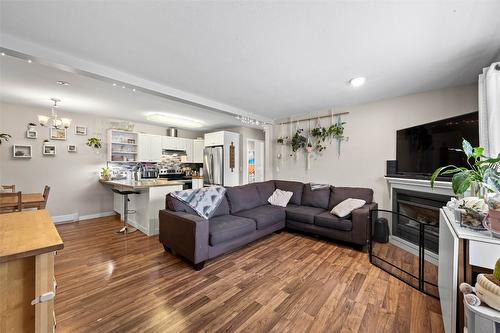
(28, 241)
(462, 253)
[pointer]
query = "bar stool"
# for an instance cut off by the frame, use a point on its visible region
(125, 229)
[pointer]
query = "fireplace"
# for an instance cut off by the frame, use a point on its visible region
(421, 206)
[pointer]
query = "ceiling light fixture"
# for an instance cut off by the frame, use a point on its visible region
(114, 84)
(357, 81)
(174, 119)
(63, 83)
(133, 90)
(3, 54)
(29, 61)
(123, 87)
(53, 120)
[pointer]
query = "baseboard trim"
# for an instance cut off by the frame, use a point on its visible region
(75, 217)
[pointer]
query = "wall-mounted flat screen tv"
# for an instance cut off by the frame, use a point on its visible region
(422, 149)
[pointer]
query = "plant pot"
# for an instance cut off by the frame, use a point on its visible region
(492, 222)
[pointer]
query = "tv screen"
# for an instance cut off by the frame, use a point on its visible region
(422, 149)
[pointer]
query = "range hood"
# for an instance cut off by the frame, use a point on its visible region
(173, 152)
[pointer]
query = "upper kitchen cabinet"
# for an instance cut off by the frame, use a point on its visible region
(198, 146)
(150, 147)
(172, 143)
(214, 139)
(122, 146)
(188, 145)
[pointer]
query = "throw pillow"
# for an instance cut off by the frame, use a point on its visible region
(347, 206)
(280, 198)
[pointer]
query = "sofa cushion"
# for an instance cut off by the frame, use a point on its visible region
(339, 194)
(295, 187)
(317, 198)
(228, 227)
(264, 215)
(242, 197)
(223, 208)
(265, 190)
(304, 214)
(328, 220)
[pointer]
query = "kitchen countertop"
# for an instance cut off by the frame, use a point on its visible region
(141, 184)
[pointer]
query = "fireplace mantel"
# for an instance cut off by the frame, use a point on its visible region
(419, 185)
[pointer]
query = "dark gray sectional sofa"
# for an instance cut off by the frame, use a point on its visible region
(244, 215)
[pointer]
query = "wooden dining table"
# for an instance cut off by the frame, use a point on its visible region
(28, 200)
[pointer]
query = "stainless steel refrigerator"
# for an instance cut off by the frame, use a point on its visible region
(213, 166)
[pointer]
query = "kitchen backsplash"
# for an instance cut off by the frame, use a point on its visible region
(170, 161)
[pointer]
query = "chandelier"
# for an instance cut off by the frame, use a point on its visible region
(53, 120)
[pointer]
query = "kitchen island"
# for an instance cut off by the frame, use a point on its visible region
(146, 204)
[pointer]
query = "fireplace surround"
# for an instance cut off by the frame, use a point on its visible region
(420, 206)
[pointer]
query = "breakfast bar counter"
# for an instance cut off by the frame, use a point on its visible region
(146, 203)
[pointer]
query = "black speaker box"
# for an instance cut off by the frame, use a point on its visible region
(392, 167)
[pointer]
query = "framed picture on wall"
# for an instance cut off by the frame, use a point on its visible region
(49, 150)
(21, 151)
(31, 134)
(80, 130)
(58, 133)
(72, 148)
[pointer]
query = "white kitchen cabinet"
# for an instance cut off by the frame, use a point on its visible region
(173, 143)
(150, 147)
(214, 139)
(197, 183)
(188, 145)
(198, 146)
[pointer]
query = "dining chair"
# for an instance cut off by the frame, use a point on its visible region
(46, 191)
(14, 201)
(9, 187)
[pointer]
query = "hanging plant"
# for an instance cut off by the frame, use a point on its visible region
(4, 137)
(309, 148)
(282, 140)
(298, 140)
(94, 143)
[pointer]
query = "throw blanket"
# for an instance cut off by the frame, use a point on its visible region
(315, 187)
(203, 200)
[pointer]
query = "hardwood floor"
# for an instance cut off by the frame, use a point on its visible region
(285, 282)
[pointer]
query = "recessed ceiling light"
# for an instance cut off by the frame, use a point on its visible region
(29, 61)
(123, 87)
(3, 53)
(357, 81)
(133, 89)
(114, 84)
(174, 119)
(63, 83)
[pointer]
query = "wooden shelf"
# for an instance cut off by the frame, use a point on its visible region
(124, 143)
(124, 152)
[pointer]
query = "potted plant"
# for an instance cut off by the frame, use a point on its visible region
(105, 174)
(94, 142)
(4, 137)
(481, 175)
(298, 140)
(309, 147)
(282, 140)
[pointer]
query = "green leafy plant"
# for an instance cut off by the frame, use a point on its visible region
(94, 143)
(298, 140)
(282, 140)
(496, 271)
(335, 131)
(105, 173)
(4, 137)
(482, 170)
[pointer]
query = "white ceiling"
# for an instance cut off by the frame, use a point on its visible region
(273, 58)
(33, 84)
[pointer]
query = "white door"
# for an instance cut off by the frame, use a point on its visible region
(254, 161)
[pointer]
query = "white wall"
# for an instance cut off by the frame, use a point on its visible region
(73, 177)
(371, 129)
